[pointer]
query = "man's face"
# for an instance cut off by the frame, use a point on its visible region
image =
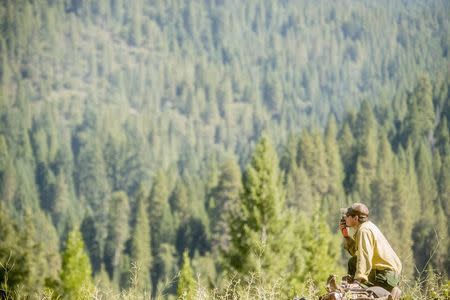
(351, 221)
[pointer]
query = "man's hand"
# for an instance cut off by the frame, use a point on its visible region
(343, 228)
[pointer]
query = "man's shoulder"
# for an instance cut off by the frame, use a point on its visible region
(368, 226)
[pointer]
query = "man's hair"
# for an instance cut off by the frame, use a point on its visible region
(362, 218)
(358, 209)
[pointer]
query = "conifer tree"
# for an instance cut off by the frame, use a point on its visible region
(335, 191)
(158, 203)
(140, 252)
(135, 25)
(443, 138)
(257, 229)
(165, 266)
(224, 198)
(179, 202)
(9, 183)
(440, 260)
(348, 152)
(118, 233)
(414, 202)
(15, 260)
(444, 185)
(403, 213)
(420, 118)
(425, 179)
(272, 93)
(41, 249)
(442, 212)
(321, 249)
(318, 167)
(60, 212)
(299, 194)
(383, 201)
(90, 238)
(334, 161)
(186, 283)
(93, 187)
(366, 134)
(76, 270)
(311, 156)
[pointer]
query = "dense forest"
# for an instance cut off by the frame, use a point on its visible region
(147, 146)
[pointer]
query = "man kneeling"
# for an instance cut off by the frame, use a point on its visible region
(373, 261)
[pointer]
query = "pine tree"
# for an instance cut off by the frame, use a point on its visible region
(158, 203)
(42, 249)
(312, 157)
(165, 266)
(140, 251)
(118, 233)
(383, 201)
(4, 63)
(442, 212)
(334, 161)
(443, 138)
(404, 213)
(321, 249)
(440, 260)
(15, 260)
(76, 270)
(444, 185)
(366, 134)
(179, 202)
(135, 25)
(299, 194)
(60, 212)
(257, 229)
(224, 199)
(419, 122)
(335, 191)
(348, 151)
(318, 167)
(186, 283)
(425, 179)
(93, 187)
(272, 93)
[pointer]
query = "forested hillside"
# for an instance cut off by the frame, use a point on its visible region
(231, 132)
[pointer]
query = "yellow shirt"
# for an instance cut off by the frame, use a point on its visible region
(372, 251)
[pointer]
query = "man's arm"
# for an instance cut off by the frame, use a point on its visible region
(364, 255)
(350, 245)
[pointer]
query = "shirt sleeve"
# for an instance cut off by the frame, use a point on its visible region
(364, 255)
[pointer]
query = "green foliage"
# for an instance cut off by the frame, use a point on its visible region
(186, 282)
(366, 165)
(320, 249)
(118, 233)
(421, 118)
(223, 203)
(256, 229)
(76, 280)
(14, 258)
(98, 97)
(140, 249)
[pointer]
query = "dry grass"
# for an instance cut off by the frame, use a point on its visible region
(432, 286)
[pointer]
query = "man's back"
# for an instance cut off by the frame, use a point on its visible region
(374, 251)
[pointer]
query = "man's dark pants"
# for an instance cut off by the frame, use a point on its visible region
(387, 279)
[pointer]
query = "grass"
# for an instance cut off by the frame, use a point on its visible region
(432, 287)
